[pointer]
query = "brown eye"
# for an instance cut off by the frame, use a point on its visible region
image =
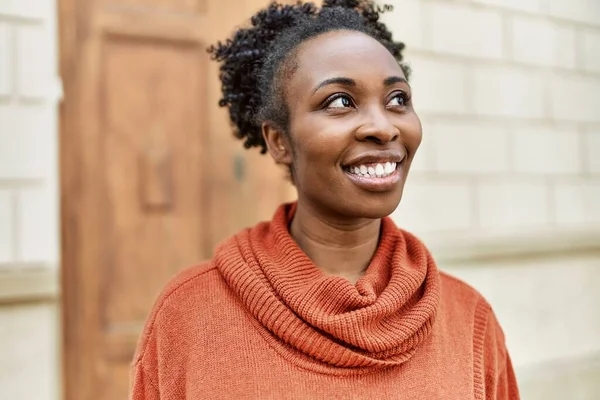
(400, 99)
(340, 102)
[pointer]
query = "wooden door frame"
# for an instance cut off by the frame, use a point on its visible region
(79, 210)
(84, 218)
(72, 15)
(84, 215)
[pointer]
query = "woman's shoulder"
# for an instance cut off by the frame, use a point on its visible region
(189, 278)
(182, 303)
(461, 300)
(490, 354)
(190, 286)
(458, 289)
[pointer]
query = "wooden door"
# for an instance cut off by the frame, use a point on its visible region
(152, 177)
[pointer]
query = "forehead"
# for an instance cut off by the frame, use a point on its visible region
(343, 53)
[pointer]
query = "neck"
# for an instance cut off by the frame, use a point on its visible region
(342, 249)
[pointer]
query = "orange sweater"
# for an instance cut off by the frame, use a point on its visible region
(260, 321)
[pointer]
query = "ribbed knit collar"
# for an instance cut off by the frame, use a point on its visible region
(377, 322)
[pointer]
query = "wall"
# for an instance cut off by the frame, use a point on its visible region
(29, 251)
(506, 188)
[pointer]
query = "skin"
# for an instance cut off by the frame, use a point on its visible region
(332, 122)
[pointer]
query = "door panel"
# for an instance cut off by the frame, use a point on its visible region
(152, 177)
(154, 169)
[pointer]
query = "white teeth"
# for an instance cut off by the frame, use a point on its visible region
(379, 170)
(388, 167)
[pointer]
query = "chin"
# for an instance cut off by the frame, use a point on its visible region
(351, 203)
(379, 211)
(373, 206)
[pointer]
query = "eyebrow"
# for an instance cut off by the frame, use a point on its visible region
(351, 82)
(394, 79)
(333, 81)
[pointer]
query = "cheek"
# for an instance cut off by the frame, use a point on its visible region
(412, 132)
(320, 141)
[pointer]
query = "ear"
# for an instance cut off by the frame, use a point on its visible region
(277, 144)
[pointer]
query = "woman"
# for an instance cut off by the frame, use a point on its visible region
(328, 300)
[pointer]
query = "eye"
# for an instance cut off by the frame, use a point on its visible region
(339, 101)
(400, 99)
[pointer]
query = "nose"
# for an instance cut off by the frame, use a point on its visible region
(377, 127)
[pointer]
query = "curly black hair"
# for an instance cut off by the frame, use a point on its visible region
(256, 58)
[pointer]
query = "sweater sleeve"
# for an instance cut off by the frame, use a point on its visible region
(145, 379)
(142, 386)
(506, 386)
(500, 379)
(159, 367)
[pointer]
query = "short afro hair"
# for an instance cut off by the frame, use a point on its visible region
(253, 59)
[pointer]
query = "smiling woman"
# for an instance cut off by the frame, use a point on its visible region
(329, 299)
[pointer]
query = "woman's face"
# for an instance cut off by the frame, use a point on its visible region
(353, 132)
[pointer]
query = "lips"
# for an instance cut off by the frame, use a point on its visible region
(377, 183)
(375, 171)
(373, 158)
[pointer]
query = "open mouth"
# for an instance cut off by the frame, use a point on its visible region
(373, 170)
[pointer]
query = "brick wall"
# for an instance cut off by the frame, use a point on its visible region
(28, 134)
(29, 250)
(508, 175)
(509, 95)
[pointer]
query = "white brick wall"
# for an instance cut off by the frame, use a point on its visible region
(590, 54)
(6, 226)
(470, 147)
(539, 41)
(23, 10)
(548, 150)
(578, 203)
(28, 134)
(576, 98)
(507, 92)
(583, 11)
(534, 6)
(464, 30)
(28, 193)
(438, 85)
(509, 95)
(33, 61)
(407, 21)
(24, 140)
(37, 238)
(28, 363)
(6, 72)
(510, 203)
(592, 144)
(421, 208)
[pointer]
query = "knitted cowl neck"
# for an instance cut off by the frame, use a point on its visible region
(377, 322)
